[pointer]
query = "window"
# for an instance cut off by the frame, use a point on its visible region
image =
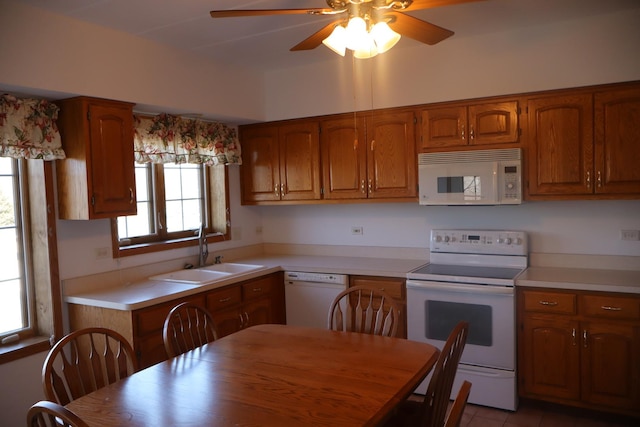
(16, 291)
(172, 201)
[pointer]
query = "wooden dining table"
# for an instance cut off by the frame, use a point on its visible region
(268, 375)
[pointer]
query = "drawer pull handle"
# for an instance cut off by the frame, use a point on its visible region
(573, 336)
(585, 338)
(609, 308)
(257, 289)
(549, 303)
(225, 299)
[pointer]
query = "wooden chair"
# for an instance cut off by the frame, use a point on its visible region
(432, 410)
(186, 327)
(51, 414)
(455, 414)
(84, 361)
(365, 310)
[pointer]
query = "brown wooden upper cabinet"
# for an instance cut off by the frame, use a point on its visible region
(280, 161)
(97, 179)
(460, 125)
(369, 156)
(584, 144)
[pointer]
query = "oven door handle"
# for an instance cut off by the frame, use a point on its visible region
(457, 287)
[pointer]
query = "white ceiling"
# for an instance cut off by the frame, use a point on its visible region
(263, 42)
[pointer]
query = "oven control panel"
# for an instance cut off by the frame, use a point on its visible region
(495, 242)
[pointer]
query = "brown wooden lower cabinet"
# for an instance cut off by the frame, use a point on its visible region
(393, 286)
(233, 307)
(580, 348)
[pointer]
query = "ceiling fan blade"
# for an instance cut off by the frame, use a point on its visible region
(418, 29)
(264, 12)
(315, 39)
(428, 4)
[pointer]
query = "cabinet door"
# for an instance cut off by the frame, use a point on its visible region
(300, 161)
(343, 149)
(112, 171)
(493, 123)
(552, 357)
(617, 141)
(392, 163)
(561, 145)
(257, 312)
(394, 287)
(610, 370)
(260, 170)
(228, 321)
(444, 127)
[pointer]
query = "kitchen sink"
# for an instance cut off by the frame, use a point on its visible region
(195, 276)
(208, 274)
(231, 268)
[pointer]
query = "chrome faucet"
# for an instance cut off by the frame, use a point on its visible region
(203, 246)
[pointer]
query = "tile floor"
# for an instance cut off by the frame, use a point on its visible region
(534, 414)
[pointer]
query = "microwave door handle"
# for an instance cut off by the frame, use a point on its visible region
(497, 193)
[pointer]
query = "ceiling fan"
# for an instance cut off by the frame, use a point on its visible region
(389, 12)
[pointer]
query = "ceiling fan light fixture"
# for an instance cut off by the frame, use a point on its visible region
(337, 40)
(357, 35)
(367, 50)
(384, 37)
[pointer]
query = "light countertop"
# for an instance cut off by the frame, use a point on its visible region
(150, 292)
(626, 281)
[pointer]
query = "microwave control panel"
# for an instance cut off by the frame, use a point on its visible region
(511, 185)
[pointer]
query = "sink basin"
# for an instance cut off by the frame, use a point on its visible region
(231, 268)
(197, 276)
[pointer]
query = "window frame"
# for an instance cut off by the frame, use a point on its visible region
(215, 181)
(46, 301)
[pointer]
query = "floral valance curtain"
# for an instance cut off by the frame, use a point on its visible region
(171, 139)
(28, 129)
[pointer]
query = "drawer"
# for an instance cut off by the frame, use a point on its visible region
(610, 307)
(150, 320)
(392, 287)
(257, 288)
(223, 298)
(550, 302)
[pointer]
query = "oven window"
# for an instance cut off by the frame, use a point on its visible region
(442, 316)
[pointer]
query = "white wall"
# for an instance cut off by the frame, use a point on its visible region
(59, 55)
(566, 227)
(45, 52)
(592, 50)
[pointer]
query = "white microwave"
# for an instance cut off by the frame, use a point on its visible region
(481, 177)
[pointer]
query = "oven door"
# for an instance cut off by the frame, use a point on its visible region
(434, 308)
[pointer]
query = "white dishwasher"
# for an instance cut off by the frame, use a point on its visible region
(308, 296)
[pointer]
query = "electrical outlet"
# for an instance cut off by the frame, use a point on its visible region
(357, 231)
(258, 229)
(101, 253)
(629, 234)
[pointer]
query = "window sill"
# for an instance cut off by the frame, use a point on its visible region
(143, 248)
(23, 348)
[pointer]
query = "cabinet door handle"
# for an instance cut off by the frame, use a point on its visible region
(370, 186)
(276, 190)
(585, 338)
(373, 145)
(130, 195)
(610, 308)
(363, 187)
(549, 303)
(463, 135)
(588, 179)
(599, 179)
(573, 336)
(282, 189)
(246, 315)
(471, 133)
(241, 321)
